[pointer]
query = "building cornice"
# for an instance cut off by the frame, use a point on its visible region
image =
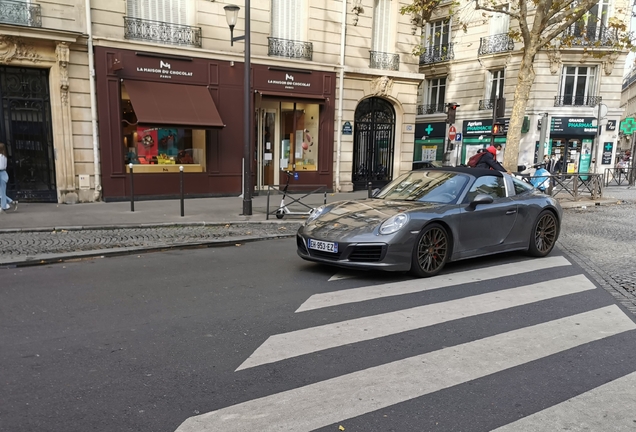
(40, 33)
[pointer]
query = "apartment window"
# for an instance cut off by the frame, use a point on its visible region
(438, 34)
(577, 85)
(289, 19)
(500, 22)
(168, 11)
(593, 24)
(436, 93)
(381, 26)
(496, 84)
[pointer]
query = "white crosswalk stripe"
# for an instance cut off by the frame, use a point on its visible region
(364, 391)
(286, 345)
(417, 285)
(608, 407)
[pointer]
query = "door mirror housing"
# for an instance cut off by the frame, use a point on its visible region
(481, 199)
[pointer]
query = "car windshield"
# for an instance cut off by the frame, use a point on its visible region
(425, 186)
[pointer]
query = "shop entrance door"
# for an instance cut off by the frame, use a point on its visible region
(25, 127)
(373, 143)
(267, 150)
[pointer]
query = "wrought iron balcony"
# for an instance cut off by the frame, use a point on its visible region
(496, 44)
(163, 32)
(486, 104)
(386, 61)
(590, 36)
(290, 49)
(430, 109)
(436, 54)
(20, 13)
(575, 100)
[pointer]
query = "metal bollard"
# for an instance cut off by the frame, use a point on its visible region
(370, 190)
(132, 188)
(181, 188)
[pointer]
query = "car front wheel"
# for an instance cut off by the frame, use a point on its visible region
(431, 251)
(544, 234)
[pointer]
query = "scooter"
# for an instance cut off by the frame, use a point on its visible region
(536, 175)
(282, 209)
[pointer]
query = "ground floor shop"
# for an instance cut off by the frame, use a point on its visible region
(161, 112)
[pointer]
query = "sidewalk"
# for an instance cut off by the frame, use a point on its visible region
(197, 211)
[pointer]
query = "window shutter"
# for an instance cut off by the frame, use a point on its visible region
(170, 11)
(381, 26)
(288, 19)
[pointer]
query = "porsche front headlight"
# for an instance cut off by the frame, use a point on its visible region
(394, 223)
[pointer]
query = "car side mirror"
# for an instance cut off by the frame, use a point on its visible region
(481, 199)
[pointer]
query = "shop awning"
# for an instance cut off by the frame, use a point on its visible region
(173, 104)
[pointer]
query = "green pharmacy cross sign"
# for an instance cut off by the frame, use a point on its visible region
(608, 146)
(429, 129)
(628, 126)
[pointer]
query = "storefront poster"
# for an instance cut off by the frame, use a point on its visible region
(168, 141)
(608, 151)
(429, 153)
(147, 144)
(473, 128)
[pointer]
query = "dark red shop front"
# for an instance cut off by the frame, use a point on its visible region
(160, 112)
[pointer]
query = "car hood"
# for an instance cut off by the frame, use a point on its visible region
(348, 218)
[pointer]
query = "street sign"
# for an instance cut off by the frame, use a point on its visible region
(628, 126)
(611, 125)
(458, 136)
(451, 133)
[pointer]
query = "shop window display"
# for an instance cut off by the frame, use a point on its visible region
(299, 145)
(160, 149)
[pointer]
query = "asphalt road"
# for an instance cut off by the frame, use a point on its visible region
(251, 338)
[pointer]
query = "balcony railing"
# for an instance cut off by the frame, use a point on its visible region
(436, 54)
(430, 109)
(574, 100)
(290, 49)
(386, 61)
(496, 44)
(486, 104)
(590, 36)
(20, 13)
(163, 32)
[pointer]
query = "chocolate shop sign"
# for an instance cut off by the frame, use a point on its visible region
(289, 83)
(164, 70)
(573, 125)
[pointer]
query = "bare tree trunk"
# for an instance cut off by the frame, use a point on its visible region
(522, 94)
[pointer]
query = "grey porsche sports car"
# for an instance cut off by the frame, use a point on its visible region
(428, 217)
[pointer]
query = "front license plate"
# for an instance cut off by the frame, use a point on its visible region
(323, 246)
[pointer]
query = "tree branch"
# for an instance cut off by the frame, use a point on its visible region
(564, 12)
(495, 10)
(523, 24)
(561, 27)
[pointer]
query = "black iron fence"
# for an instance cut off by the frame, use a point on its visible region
(619, 177)
(382, 60)
(290, 48)
(430, 109)
(163, 32)
(574, 186)
(496, 44)
(436, 54)
(576, 100)
(20, 13)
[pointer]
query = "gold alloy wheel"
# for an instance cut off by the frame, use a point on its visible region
(432, 250)
(545, 234)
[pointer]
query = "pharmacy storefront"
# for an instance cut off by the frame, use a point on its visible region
(572, 139)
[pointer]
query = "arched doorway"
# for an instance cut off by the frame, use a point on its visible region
(373, 143)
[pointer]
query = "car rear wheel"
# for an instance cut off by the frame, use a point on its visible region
(431, 251)
(544, 234)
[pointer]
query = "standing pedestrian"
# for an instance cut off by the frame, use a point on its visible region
(5, 202)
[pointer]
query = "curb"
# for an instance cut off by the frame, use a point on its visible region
(52, 258)
(143, 225)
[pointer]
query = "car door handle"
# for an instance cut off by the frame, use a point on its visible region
(513, 211)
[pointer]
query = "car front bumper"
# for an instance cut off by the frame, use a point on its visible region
(367, 255)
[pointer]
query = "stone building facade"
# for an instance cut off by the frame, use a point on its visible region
(475, 67)
(44, 87)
